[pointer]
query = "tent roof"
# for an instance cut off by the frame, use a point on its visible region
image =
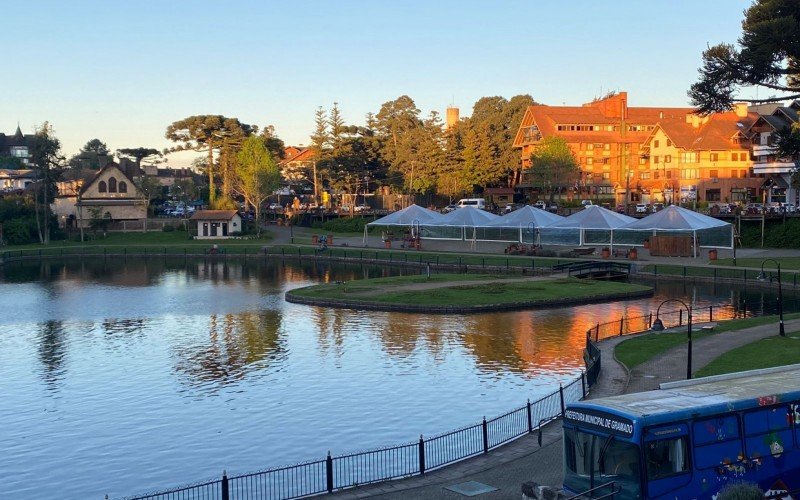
(526, 216)
(466, 216)
(594, 217)
(676, 218)
(408, 216)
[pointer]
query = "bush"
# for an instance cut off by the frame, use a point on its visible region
(168, 228)
(345, 224)
(740, 491)
(20, 231)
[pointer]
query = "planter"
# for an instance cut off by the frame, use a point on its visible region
(330, 239)
(314, 239)
(712, 254)
(387, 244)
(605, 253)
(633, 254)
(647, 243)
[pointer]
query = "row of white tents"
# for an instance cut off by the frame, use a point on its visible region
(593, 225)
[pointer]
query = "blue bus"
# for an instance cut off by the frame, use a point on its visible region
(688, 439)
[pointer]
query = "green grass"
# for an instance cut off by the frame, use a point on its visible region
(792, 263)
(138, 239)
(637, 350)
(495, 293)
(764, 353)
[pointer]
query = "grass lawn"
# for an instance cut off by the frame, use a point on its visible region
(150, 239)
(764, 353)
(786, 263)
(498, 292)
(637, 350)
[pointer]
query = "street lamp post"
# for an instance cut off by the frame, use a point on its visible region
(763, 277)
(658, 326)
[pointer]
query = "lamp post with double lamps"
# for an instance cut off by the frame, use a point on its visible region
(658, 326)
(762, 276)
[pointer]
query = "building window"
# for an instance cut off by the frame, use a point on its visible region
(589, 161)
(644, 175)
(606, 175)
(655, 143)
(19, 151)
(101, 187)
(667, 158)
(598, 146)
(605, 161)
(713, 174)
(112, 185)
(590, 147)
(690, 157)
(607, 146)
(656, 174)
(714, 156)
(734, 174)
(744, 174)
(669, 143)
(668, 174)
(656, 159)
(713, 195)
(123, 187)
(642, 160)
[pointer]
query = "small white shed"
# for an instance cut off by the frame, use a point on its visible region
(217, 224)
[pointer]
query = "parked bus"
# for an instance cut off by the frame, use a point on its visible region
(688, 439)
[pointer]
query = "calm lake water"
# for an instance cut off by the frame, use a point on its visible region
(123, 376)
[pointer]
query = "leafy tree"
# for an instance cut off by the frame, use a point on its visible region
(396, 124)
(768, 56)
(95, 146)
(273, 143)
(48, 161)
(554, 166)
(138, 154)
(257, 175)
(208, 133)
(99, 221)
(147, 188)
(321, 138)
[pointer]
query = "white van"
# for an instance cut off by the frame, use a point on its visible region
(472, 202)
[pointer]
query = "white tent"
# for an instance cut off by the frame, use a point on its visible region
(592, 225)
(706, 231)
(455, 225)
(519, 226)
(411, 216)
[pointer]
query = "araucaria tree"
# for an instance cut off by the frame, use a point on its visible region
(767, 55)
(208, 133)
(257, 175)
(553, 166)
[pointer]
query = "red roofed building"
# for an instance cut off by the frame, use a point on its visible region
(606, 135)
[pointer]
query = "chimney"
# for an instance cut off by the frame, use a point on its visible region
(741, 109)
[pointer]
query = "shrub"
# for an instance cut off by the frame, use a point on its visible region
(168, 228)
(740, 491)
(20, 231)
(345, 224)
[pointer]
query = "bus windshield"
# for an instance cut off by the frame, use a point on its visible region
(591, 460)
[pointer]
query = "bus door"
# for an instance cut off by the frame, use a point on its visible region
(666, 458)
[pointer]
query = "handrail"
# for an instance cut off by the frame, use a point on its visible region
(614, 491)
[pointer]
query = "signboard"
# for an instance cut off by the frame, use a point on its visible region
(601, 421)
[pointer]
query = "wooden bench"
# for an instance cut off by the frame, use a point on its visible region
(582, 251)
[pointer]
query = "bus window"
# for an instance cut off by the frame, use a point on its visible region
(591, 460)
(666, 457)
(717, 441)
(767, 432)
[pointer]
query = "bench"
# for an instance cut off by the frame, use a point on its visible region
(707, 328)
(582, 251)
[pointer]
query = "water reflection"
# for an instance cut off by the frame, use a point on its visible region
(237, 344)
(52, 350)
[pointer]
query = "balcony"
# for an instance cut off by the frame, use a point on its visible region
(775, 167)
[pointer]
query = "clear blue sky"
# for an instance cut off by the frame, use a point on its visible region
(123, 71)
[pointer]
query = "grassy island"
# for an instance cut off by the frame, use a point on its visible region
(448, 293)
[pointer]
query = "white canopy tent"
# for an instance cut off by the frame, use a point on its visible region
(706, 231)
(456, 224)
(412, 216)
(521, 225)
(593, 225)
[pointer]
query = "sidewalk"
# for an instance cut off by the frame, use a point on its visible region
(523, 460)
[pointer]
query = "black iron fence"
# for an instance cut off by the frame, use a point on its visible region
(380, 464)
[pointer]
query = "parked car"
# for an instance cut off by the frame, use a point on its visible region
(657, 207)
(362, 208)
(586, 203)
(620, 209)
(275, 206)
(790, 208)
(449, 208)
(540, 205)
(508, 209)
(552, 208)
(754, 208)
(641, 208)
